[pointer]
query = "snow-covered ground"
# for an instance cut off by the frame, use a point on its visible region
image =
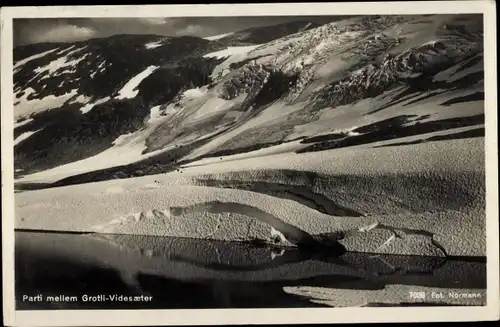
(22, 122)
(261, 153)
(129, 90)
(61, 62)
(21, 62)
(154, 114)
(231, 51)
(24, 107)
(194, 93)
(154, 45)
(414, 199)
(101, 67)
(86, 108)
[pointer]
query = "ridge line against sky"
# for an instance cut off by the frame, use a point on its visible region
(40, 30)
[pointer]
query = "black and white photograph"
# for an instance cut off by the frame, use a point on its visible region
(322, 159)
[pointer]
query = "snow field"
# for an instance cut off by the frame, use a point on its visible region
(403, 210)
(129, 89)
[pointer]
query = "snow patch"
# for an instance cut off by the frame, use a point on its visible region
(81, 99)
(25, 136)
(22, 123)
(431, 43)
(67, 71)
(100, 68)
(59, 63)
(65, 50)
(155, 114)
(231, 51)
(127, 149)
(217, 37)
(75, 51)
(129, 90)
(305, 27)
(121, 140)
(86, 108)
(156, 44)
(20, 63)
(351, 132)
(153, 45)
(194, 93)
(26, 107)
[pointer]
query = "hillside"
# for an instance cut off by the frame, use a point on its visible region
(129, 99)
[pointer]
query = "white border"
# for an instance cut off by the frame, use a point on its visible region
(251, 316)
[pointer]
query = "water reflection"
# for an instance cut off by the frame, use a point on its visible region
(187, 273)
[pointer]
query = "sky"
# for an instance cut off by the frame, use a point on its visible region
(27, 31)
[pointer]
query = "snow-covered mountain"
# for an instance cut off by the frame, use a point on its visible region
(132, 105)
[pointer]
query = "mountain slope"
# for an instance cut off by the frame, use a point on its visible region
(134, 105)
